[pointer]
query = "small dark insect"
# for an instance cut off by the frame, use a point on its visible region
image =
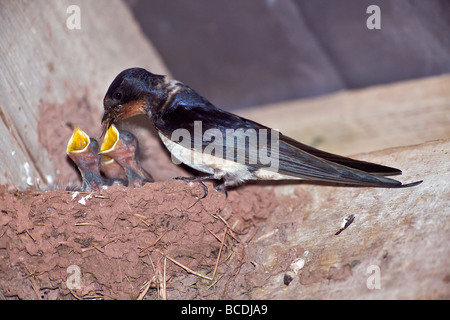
(288, 277)
(346, 223)
(295, 267)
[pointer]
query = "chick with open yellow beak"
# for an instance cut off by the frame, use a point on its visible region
(83, 151)
(123, 147)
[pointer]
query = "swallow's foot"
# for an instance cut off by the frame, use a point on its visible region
(205, 189)
(199, 180)
(222, 188)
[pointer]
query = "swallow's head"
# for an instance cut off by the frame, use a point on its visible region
(132, 92)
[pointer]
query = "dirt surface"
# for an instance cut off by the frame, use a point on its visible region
(123, 239)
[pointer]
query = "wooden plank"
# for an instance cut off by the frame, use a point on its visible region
(402, 233)
(356, 121)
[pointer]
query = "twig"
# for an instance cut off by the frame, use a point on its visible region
(97, 247)
(214, 283)
(141, 218)
(220, 252)
(195, 202)
(148, 283)
(154, 243)
(82, 224)
(130, 284)
(41, 224)
(228, 226)
(164, 286)
(33, 283)
(100, 196)
(143, 293)
(253, 235)
(91, 248)
(214, 235)
(155, 273)
(236, 270)
(196, 273)
(93, 297)
(184, 267)
(29, 234)
(108, 242)
(76, 297)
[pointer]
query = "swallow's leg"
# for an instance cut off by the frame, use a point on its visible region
(228, 181)
(200, 180)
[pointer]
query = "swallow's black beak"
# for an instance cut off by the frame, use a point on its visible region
(110, 115)
(107, 120)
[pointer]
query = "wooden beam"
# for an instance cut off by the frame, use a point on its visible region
(370, 119)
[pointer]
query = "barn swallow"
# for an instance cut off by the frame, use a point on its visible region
(83, 151)
(123, 147)
(174, 108)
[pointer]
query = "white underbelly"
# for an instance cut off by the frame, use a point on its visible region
(268, 174)
(205, 162)
(219, 167)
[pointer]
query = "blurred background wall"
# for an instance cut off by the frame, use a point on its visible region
(241, 53)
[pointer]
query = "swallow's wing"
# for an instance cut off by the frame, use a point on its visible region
(294, 159)
(296, 162)
(365, 166)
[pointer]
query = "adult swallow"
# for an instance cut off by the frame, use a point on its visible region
(175, 108)
(123, 147)
(83, 151)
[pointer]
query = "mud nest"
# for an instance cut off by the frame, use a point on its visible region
(155, 242)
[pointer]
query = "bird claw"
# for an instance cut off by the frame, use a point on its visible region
(196, 179)
(205, 189)
(221, 188)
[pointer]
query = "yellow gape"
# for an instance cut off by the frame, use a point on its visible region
(78, 142)
(110, 140)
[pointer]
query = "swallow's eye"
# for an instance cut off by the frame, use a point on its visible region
(117, 96)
